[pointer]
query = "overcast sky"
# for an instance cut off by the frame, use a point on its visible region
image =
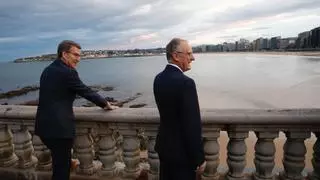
(34, 27)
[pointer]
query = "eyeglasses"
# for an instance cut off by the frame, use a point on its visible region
(75, 54)
(188, 53)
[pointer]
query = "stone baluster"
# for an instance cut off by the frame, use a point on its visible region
(84, 151)
(106, 153)
(131, 151)
(315, 175)
(7, 156)
(264, 155)
(294, 155)
(211, 150)
(153, 158)
(42, 153)
(24, 148)
(236, 155)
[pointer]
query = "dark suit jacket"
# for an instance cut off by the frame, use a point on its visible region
(179, 139)
(59, 85)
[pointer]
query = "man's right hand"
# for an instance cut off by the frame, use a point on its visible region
(110, 107)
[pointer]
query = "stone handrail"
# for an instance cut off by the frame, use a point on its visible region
(22, 154)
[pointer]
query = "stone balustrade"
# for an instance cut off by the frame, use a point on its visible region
(102, 155)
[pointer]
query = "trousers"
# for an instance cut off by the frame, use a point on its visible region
(61, 157)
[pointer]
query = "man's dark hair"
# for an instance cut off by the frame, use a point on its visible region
(66, 46)
(173, 46)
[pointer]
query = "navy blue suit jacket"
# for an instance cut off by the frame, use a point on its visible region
(59, 85)
(179, 140)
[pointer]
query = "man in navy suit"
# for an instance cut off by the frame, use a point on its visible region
(179, 140)
(55, 121)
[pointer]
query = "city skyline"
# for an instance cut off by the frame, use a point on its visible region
(36, 27)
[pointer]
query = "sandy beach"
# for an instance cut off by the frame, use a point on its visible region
(288, 53)
(299, 53)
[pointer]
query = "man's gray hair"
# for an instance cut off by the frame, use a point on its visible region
(173, 46)
(66, 45)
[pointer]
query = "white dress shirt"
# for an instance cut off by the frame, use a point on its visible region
(174, 65)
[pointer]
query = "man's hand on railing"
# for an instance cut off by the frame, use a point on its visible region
(200, 169)
(110, 107)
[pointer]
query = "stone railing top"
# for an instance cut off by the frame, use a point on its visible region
(151, 115)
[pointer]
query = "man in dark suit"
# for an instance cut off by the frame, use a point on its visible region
(179, 140)
(55, 121)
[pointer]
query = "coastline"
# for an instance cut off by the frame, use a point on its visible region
(108, 57)
(283, 53)
(21, 60)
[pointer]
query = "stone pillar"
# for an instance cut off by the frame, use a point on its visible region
(84, 150)
(106, 153)
(236, 155)
(211, 150)
(24, 149)
(315, 175)
(153, 158)
(294, 155)
(131, 151)
(264, 155)
(42, 153)
(7, 156)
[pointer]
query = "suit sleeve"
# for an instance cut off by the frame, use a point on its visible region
(192, 126)
(75, 84)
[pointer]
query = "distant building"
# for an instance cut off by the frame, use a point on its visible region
(302, 41)
(315, 38)
(288, 43)
(203, 48)
(264, 44)
(237, 46)
(259, 44)
(220, 47)
(196, 49)
(229, 47)
(213, 48)
(243, 45)
(269, 44)
(275, 42)
(284, 43)
(254, 45)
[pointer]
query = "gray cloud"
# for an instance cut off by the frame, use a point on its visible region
(262, 9)
(228, 37)
(49, 19)
(35, 26)
(41, 16)
(260, 28)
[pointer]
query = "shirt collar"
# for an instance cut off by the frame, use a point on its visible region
(174, 65)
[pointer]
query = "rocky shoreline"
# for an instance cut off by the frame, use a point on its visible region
(25, 90)
(18, 92)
